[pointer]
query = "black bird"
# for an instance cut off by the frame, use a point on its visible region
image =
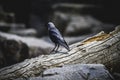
(56, 37)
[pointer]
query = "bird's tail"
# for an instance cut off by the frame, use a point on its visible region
(65, 45)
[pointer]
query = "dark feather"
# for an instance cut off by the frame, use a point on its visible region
(55, 36)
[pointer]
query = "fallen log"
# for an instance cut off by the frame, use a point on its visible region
(102, 48)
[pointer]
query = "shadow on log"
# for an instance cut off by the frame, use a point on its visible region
(100, 49)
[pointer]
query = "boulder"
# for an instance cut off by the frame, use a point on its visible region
(16, 49)
(75, 8)
(24, 32)
(6, 27)
(76, 72)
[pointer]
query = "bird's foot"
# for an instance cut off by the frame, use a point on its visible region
(53, 52)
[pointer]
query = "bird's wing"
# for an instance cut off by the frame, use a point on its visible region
(63, 43)
(56, 34)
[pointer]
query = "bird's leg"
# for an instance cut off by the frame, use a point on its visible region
(57, 47)
(54, 48)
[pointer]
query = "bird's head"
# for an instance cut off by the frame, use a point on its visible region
(51, 25)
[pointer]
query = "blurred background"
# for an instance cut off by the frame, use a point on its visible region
(76, 20)
(72, 17)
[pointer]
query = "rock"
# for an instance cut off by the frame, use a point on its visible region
(80, 24)
(76, 25)
(74, 39)
(76, 72)
(25, 32)
(6, 27)
(77, 19)
(16, 49)
(75, 8)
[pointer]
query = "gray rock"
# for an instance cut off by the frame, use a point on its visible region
(75, 25)
(25, 32)
(10, 26)
(16, 49)
(76, 72)
(76, 19)
(80, 24)
(74, 8)
(75, 39)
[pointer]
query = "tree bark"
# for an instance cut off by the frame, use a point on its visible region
(102, 48)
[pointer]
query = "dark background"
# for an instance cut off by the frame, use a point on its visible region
(109, 11)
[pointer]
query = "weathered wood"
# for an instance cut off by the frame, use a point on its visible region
(102, 48)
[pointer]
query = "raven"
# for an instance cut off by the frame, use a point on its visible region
(56, 37)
